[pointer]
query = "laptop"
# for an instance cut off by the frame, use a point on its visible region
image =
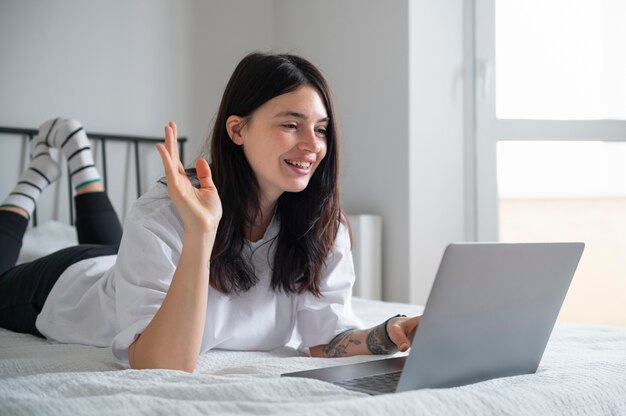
(490, 313)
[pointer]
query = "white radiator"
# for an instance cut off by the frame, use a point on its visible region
(367, 252)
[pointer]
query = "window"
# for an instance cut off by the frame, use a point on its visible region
(550, 141)
(560, 59)
(571, 191)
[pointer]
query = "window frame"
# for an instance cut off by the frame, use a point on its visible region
(489, 129)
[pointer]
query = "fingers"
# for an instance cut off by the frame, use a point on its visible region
(171, 144)
(397, 335)
(204, 174)
(169, 152)
(171, 140)
(411, 324)
(174, 128)
(167, 163)
(400, 329)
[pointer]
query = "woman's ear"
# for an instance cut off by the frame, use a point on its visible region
(234, 124)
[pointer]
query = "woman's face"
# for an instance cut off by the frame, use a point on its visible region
(284, 141)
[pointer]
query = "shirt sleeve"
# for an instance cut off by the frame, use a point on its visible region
(149, 252)
(320, 319)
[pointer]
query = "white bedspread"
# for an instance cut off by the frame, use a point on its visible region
(583, 372)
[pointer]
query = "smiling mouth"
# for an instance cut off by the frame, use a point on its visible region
(299, 164)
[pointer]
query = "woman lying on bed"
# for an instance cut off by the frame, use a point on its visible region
(238, 256)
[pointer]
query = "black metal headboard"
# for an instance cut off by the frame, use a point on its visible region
(102, 139)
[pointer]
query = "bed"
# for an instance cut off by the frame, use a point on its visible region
(583, 371)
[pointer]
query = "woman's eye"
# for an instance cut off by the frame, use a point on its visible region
(290, 126)
(322, 131)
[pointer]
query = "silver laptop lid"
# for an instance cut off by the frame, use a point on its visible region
(490, 312)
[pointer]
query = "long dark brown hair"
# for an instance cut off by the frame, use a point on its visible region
(309, 220)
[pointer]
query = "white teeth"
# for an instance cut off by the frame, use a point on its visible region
(304, 165)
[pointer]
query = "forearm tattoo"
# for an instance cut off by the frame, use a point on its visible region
(378, 342)
(338, 346)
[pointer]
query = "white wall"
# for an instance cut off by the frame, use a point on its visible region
(398, 74)
(362, 47)
(122, 67)
(437, 152)
(125, 67)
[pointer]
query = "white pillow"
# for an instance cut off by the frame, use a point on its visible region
(46, 238)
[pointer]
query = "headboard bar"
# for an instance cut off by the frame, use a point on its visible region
(114, 137)
(104, 163)
(102, 138)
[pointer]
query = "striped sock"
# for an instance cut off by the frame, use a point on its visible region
(70, 137)
(42, 171)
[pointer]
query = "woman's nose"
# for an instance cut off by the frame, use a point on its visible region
(310, 142)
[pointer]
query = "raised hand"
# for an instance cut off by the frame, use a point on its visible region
(199, 208)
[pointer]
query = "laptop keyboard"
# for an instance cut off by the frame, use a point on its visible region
(382, 383)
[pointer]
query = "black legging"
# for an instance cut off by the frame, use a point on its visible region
(24, 288)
